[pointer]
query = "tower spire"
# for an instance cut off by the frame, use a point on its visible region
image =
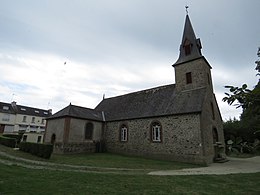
(190, 47)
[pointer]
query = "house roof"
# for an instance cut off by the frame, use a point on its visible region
(159, 101)
(78, 112)
(13, 108)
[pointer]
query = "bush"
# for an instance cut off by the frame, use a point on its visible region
(18, 137)
(41, 150)
(7, 141)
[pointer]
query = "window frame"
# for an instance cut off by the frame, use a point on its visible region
(123, 133)
(156, 132)
(88, 135)
(188, 78)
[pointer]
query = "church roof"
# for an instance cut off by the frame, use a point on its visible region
(189, 42)
(159, 101)
(78, 112)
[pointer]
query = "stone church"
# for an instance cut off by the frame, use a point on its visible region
(179, 122)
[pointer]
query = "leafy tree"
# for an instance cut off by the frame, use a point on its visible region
(249, 100)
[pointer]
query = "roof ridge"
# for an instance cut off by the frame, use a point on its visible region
(143, 90)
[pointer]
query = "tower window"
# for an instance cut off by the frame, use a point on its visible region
(188, 78)
(187, 47)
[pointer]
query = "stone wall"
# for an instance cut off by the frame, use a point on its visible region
(77, 130)
(208, 124)
(200, 72)
(181, 138)
(73, 148)
(54, 127)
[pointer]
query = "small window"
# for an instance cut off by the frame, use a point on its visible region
(156, 132)
(188, 78)
(24, 138)
(5, 107)
(208, 79)
(39, 139)
(187, 47)
(89, 131)
(6, 117)
(123, 133)
(37, 111)
(24, 118)
(33, 119)
(53, 138)
(23, 109)
(212, 110)
(45, 113)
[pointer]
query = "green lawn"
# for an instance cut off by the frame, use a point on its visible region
(18, 180)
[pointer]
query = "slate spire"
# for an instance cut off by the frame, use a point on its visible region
(190, 47)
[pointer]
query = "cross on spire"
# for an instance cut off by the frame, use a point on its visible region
(186, 7)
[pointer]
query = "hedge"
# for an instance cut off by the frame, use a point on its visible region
(7, 141)
(41, 150)
(18, 137)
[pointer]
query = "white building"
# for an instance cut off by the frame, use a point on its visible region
(30, 122)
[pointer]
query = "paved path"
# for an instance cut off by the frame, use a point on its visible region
(234, 165)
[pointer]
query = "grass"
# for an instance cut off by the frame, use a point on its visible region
(103, 160)
(19, 180)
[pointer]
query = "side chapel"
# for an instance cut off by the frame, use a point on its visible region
(179, 122)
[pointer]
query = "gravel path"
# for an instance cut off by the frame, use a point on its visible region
(234, 165)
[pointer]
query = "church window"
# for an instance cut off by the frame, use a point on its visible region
(156, 132)
(88, 131)
(123, 133)
(187, 47)
(53, 138)
(212, 110)
(208, 79)
(188, 78)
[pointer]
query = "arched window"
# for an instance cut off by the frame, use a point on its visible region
(53, 138)
(89, 131)
(187, 47)
(156, 132)
(123, 133)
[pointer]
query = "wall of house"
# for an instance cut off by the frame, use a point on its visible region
(56, 127)
(181, 138)
(70, 135)
(33, 137)
(77, 130)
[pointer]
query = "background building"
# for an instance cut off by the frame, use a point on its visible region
(19, 119)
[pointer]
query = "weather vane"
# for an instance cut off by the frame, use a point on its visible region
(186, 7)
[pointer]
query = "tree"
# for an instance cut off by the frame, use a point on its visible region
(249, 100)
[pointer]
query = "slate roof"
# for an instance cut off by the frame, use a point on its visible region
(78, 112)
(189, 35)
(159, 101)
(24, 110)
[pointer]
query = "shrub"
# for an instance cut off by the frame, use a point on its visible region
(7, 141)
(18, 137)
(41, 150)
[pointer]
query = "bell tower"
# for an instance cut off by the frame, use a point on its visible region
(192, 70)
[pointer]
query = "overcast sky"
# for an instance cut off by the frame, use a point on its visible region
(114, 47)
